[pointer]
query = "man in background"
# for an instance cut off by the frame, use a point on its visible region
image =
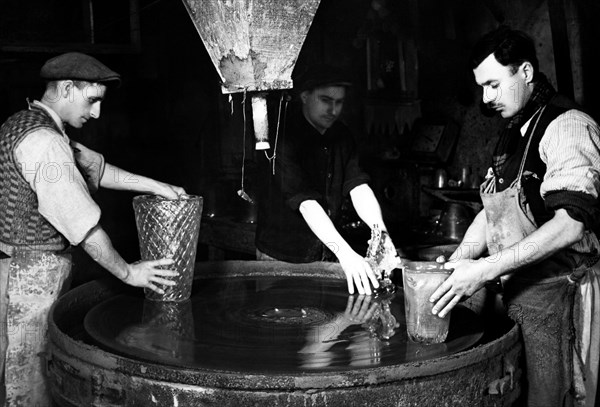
(316, 167)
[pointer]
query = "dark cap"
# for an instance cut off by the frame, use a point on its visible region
(78, 66)
(321, 75)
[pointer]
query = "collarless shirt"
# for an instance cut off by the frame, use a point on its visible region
(61, 172)
(308, 166)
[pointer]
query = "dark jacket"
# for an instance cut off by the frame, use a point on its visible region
(308, 166)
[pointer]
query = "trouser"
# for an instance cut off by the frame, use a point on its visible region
(4, 263)
(30, 282)
(547, 312)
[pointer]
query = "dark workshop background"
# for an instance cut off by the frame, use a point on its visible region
(170, 121)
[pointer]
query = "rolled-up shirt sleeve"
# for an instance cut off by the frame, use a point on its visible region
(91, 163)
(48, 165)
(571, 150)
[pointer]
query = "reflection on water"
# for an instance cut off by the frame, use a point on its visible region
(166, 329)
(361, 328)
(269, 324)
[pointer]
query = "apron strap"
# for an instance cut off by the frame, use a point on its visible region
(522, 165)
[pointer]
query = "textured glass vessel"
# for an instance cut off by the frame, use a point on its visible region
(169, 228)
(421, 279)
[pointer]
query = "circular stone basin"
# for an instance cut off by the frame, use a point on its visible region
(268, 333)
(268, 325)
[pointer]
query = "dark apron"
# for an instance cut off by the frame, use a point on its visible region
(547, 305)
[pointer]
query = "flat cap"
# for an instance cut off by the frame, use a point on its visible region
(320, 75)
(78, 66)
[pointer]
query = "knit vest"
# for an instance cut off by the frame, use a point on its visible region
(21, 225)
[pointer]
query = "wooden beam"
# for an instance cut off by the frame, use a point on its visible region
(134, 25)
(88, 20)
(560, 43)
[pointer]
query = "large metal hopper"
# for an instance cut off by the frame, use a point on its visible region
(254, 44)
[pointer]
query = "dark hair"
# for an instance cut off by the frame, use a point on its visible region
(510, 47)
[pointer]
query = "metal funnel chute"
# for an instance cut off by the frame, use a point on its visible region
(253, 44)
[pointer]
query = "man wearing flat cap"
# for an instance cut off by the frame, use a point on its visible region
(314, 167)
(45, 207)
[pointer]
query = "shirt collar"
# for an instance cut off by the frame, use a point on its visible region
(524, 128)
(55, 117)
(528, 122)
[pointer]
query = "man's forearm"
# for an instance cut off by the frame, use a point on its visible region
(317, 220)
(558, 233)
(474, 243)
(120, 179)
(117, 178)
(99, 247)
(367, 207)
(357, 270)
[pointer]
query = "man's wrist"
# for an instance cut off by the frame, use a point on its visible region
(492, 269)
(343, 249)
(381, 226)
(127, 274)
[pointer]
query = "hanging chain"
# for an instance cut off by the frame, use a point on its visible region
(244, 138)
(272, 158)
(241, 192)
